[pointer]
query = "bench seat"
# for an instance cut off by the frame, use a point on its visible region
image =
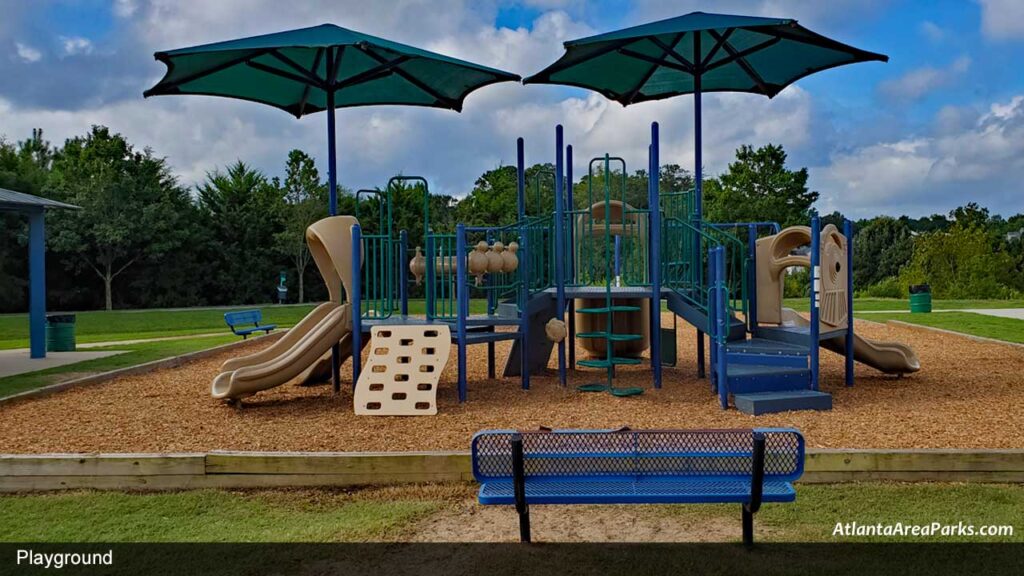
(710, 489)
(746, 467)
(245, 322)
(247, 331)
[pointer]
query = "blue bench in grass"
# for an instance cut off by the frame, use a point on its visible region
(626, 466)
(245, 322)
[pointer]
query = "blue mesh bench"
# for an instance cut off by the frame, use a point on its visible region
(626, 466)
(240, 321)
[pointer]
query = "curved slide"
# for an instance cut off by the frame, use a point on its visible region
(303, 351)
(888, 357)
(289, 361)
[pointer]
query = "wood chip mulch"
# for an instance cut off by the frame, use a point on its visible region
(968, 394)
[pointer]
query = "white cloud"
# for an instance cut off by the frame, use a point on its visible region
(984, 163)
(920, 82)
(933, 31)
(27, 53)
(76, 45)
(1002, 19)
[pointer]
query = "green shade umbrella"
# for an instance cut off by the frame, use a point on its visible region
(322, 68)
(697, 53)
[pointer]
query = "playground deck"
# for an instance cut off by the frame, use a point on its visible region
(967, 396)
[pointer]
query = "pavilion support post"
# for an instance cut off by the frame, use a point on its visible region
(37, 283)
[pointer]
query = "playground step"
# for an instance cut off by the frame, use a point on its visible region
(482, 320)
(799, 335)
(607, 309)
(604, 363)
(612, 337)
(749, 378)
(779, 360)
(767, 402)
(767, 347)
(483, 337)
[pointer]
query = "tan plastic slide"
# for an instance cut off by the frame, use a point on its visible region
(888, 357)
(777, 253)
(302, 348)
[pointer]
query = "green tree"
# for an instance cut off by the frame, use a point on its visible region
(244, 214)
(24, 167)
(128, 201)
(960, 263)
(305, 197)
(880, 249)
(758, 187)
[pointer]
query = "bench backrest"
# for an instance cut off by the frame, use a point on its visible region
(608, 453)
(243, 317)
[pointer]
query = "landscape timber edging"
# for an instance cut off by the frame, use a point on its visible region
(225, 469)
(150, 366)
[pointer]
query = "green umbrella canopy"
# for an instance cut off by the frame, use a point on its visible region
(728, 53)
(295, 70)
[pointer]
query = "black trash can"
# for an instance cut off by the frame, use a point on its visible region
(920, 298)
(60, 332)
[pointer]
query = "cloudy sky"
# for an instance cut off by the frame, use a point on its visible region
(939, 125)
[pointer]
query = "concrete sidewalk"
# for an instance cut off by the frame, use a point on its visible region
(1014, 313)
(14, 362)
(17, 361)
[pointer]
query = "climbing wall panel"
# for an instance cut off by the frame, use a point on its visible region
(401, 375)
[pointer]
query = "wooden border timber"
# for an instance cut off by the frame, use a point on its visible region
(27, 473)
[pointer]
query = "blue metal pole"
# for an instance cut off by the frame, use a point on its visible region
(752, 277)
(431, 286)
(37, 283)
(721, 328)
(332, 162)
(524, 297)
(654, 251)
(520, 179)
(462, 296)
(357, 304)
(403, 271)
(848, 232)
(815, 298)
(571, 207)
(698, 185)
(332, 179)
(559, 247)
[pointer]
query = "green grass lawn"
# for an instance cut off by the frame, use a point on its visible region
(204, 516)
(1008, 329)
(137, 354)
(326, 516)
(872, 304)
(117, 325)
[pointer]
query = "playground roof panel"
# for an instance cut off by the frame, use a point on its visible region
(19, 202)
(698, 52)
(289, 70)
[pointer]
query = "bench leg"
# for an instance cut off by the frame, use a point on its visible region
(748, 526)
(524, 523)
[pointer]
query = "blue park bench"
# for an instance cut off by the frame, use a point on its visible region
(638, 467)
(245, 322)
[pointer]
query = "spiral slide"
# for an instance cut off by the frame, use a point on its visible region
(302, 347)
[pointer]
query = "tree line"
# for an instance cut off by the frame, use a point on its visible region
(143, 240)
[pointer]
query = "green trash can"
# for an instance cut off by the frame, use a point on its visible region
(60, 333)
(920, 298)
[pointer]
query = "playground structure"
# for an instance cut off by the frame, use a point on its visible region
(595, 270)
